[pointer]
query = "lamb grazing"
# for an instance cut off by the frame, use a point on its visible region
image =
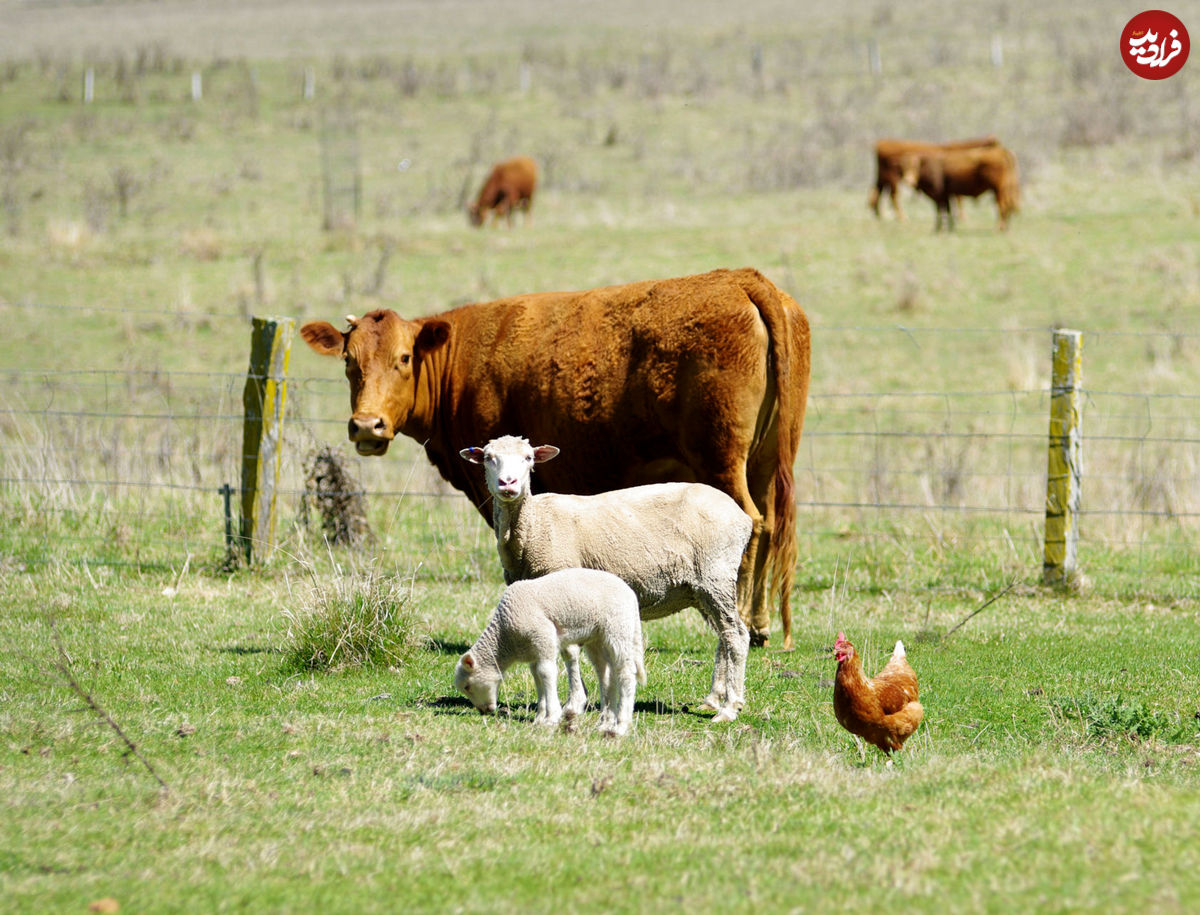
(539, 619)
(676, 545)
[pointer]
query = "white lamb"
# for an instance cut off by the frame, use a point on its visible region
(676, 544)
(539, 619)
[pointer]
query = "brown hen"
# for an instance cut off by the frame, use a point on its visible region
(884, 710)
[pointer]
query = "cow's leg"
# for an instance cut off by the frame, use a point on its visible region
(895, 190)
(873, 200)
(751, 597)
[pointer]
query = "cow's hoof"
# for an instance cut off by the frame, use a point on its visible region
(726, 714)
(759, 638)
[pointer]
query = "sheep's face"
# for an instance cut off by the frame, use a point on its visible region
(477, 685)
(508, 462)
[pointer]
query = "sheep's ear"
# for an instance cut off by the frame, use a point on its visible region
(474, 455)
(468, 661)
(543, 453)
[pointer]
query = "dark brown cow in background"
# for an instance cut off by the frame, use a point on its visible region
(893, 158)
(950, 174)
(510, 186)
(703, 378)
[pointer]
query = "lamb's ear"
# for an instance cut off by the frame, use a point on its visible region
(474, 455)
(543, 453)
(468, 661)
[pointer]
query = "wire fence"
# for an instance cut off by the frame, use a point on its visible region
(119, 466)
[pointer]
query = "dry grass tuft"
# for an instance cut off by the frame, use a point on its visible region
(202, 244)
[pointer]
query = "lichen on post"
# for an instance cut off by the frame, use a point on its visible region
(264, 399)
(1064, 471)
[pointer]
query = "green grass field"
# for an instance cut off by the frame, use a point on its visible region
(1058, 763)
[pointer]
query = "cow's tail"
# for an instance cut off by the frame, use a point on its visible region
(787, 328)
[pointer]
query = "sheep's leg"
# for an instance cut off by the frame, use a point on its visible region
(715, 699)
(739, 647)
(729, 668)
(545, 677)
(576, 694)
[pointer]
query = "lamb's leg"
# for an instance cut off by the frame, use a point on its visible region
(622, 691)
(576, 694)
(604, 674)
(545, 676)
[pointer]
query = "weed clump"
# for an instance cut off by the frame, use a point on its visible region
(1108, 717)
(352, 621)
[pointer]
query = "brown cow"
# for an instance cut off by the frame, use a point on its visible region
(968, 173)
(703, 378)
(894, 157)
(509, 186)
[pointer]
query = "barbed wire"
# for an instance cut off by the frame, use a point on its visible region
(994, 446)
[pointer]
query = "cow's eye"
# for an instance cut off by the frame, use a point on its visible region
(406, 358)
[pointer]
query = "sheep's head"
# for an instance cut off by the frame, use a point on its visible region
(508, 462)
(476, 684)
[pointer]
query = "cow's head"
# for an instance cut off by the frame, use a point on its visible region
(475, 214)
(910, 169)
(384, 356)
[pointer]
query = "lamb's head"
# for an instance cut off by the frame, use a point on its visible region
(477, 683)
(508, 462)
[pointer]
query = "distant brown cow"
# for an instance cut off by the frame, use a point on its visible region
(894, 157)
(968, 173)
(509, 186)
(699, 379)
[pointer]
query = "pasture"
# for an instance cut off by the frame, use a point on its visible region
(178, 735)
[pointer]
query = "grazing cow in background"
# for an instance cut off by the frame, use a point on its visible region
(968, 173)
(699, 379)
(893, 158)
(509, 186)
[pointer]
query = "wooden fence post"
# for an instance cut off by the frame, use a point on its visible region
(1064, 468)
(264, 399)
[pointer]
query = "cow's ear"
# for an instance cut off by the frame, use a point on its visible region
(543, 453)
(474, 455)
(433, 333)
(323, 337)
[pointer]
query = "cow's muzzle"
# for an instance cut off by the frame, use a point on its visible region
(371, 434)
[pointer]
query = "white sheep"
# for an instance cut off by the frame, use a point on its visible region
(676, 544)
(539, 619)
